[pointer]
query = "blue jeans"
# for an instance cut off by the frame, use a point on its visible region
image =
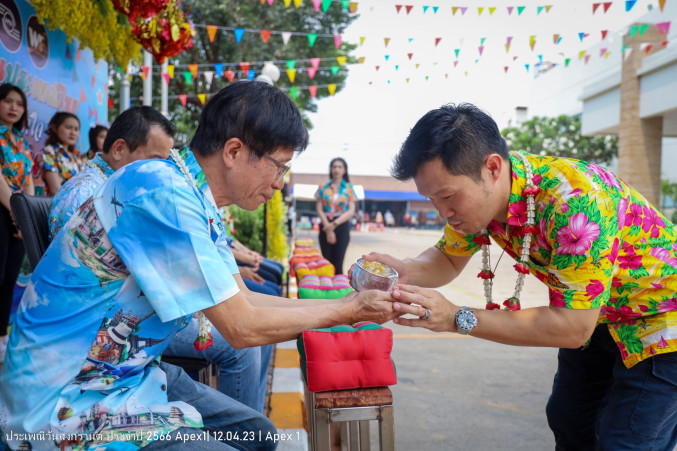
(239, 369)
(222, 417)
(599, 404)
(267, 287)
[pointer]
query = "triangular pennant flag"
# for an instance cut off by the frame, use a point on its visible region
(297, 3)
(294, 91)
(604, 33)
(538, 10)
(663, 27)
(170, 70)
(377, 68)
(165, 77)
(312, 37)
(482, 41)
(566, 62)
(408, 8)
(648, 48)
(425, 9)
(435, 8)
(481, 49)
(491, 10)
(218, 68)
(342, 60)
(311, 72)
(520, 9)
(291, 64)
(582, 35)
(337, 40)
(332, 88)
(455, 63)
(188, 77)
(265, 35)
(345, 4)
(479, 11)
(362, 40)
(505, 69)
(209, 76)
(629, 4)
(581, 54)
(360, 60)
(410, 55)
(315, 62)
(607, 5)
(507, 48)
(83, 96)
(453, 10)
(463, 10)
(211, 32)
(398, 8)
(547, 8)
(594, 7)
(526, 66)
(602, 52)
(286, 35)
(145, 70)
(352, 7)
(325, 5)
(291, 73)
(316, 5)
(397, 66)
(239, 32)
(642, 28)
(532, 42)
(586, 58)
(202, 98)
(661, 4)
(251, 74)
(183, 98)
(456, 52)
(665, 43)
(287, 3)
(437, 41)
(111, 104)
(313, 90)
(633, 31)
(386, 41)
(229, 74)
(334, 69)
(245, 68)
(193, 69)
(387, 57)
(510, 8)
(508, 40)
(555, 38)
(270, 2)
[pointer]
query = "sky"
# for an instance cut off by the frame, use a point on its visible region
(368, 120)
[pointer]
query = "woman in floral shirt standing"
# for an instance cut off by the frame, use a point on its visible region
(15, 163)
(59, 160)
(607, 256)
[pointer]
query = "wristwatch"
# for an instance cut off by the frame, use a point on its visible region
(465, 320)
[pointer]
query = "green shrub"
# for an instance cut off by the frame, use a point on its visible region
(248, 226)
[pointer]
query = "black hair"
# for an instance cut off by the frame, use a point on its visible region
(260, 115)
(345, 165)
(462, 136)
(5, 89)
(133, 126)
(93, 133)
(54, 123)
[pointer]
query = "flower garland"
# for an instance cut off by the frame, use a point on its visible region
(204, 335)
(96, 169)
(487, 275)
(276, 228)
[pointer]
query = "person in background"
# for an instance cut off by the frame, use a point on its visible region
(15, 164)
(335, 206)
(59, 160)
(97, 135)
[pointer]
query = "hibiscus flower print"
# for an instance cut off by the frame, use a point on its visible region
(594, 289)
(667, 306)
(557, 298)
(613, 255)
(652, 222)
(634, 216)
(664, 256)
(577, 237)
(607, 177)
(518, 213)
(622, 211)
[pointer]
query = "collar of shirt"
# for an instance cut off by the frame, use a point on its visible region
(5, 129)
(102, 165)
(198, 174)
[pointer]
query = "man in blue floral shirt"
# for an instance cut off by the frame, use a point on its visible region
(127, 273)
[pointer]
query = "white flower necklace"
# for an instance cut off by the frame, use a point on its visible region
(96, 169)
(487, 275)
(204, 334)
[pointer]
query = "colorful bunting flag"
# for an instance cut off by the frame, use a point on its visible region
(202, 98)
(286, 35)
(633, 31)
(170, 70)
(291, 73)
(425, 9)
(294, 92)
(245, 68)
(607, 5)
(479, 11)
(361, 40)
(312, 37)
(218, 68)
(547, 8)
(408, 8)
(334, 69)
(332, 88)
(520, 9)
(398, 8)
(342, 60)
(595, 6)
(629, 4)
(291, 64)
(661, 4)
(581, 36)
(337, 40)
(510, 8)
(182, 99)
(211, 32)
(209, 76)
(297, 3)
(566, 62)
(311, 72)
(265, 35)
(604, 33)
(188, 77)
(538, 10)
(643, 28)
(165, 77)
(437, 41)
(313, 91)
(555, 39)
(145, 70)
(316, 5)
(387, 41)
(456, 52)
(481, 49)
(239, 32)
(229, 74)
(410, 55)
(491, 10)
(663, 27)
(435, 8)
(532, 42)
(315, 62)
(325, 5)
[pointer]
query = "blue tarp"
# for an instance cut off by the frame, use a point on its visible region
(392, 195)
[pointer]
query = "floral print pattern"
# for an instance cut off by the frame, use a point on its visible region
(335, 207)
(598, 243)
(56, 159)
(15, 161)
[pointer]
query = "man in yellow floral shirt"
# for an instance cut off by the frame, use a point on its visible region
(608, 257)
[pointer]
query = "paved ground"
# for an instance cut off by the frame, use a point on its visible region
(457, 393)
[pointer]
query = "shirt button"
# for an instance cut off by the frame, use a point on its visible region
(164, 387)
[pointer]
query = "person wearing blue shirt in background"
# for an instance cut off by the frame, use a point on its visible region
(128, 271)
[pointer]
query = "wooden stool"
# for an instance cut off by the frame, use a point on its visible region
(356, 407)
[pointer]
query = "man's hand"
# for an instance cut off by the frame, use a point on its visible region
(372, 305)
(250, 273)
(389, 260)
(415, 300)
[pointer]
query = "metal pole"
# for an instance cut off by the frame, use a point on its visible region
(124, 91)
(164, 88)
(148, 81)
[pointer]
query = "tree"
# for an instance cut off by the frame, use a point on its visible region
(561, 136)
(252, 15)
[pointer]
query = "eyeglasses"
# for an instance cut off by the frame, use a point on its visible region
(282, 169)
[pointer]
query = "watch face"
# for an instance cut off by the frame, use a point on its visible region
(466, 320)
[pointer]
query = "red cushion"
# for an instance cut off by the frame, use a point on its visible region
(345, 357)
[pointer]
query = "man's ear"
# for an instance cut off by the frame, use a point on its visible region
(117, 149)
(233, 150)
(495, 165)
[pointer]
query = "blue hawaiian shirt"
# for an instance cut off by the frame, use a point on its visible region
(75, 192)
(124, 275)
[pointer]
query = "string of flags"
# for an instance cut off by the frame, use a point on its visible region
(265, 34)
(518, 10)
(347, 5)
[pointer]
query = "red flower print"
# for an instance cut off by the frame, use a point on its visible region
(613, 255)
(492, 306)
(652, 222)
(521, 268)
(202, 342)
(565, 208)
(667, 306)
(481, 239)
(643, 308)
(622, 211)
(496, 227)
(630, 261)
(658, 286)
(594, 289)
(512, 303)
(557, 298)
(531, 190)
(624, 351)
(517, 212)
(622, 314)
(542, 233)
(577, 237)
(536, 179)
(664, 256)
(577, 192)
(616, 282)
(634, 216)
(528, 229)
(485, 274)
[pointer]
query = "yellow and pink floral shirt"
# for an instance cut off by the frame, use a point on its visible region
(599, 243)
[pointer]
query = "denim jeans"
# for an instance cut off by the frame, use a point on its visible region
(240, 370)
(223, 419)
(599, 404)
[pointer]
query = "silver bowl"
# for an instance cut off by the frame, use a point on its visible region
(369, 275)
